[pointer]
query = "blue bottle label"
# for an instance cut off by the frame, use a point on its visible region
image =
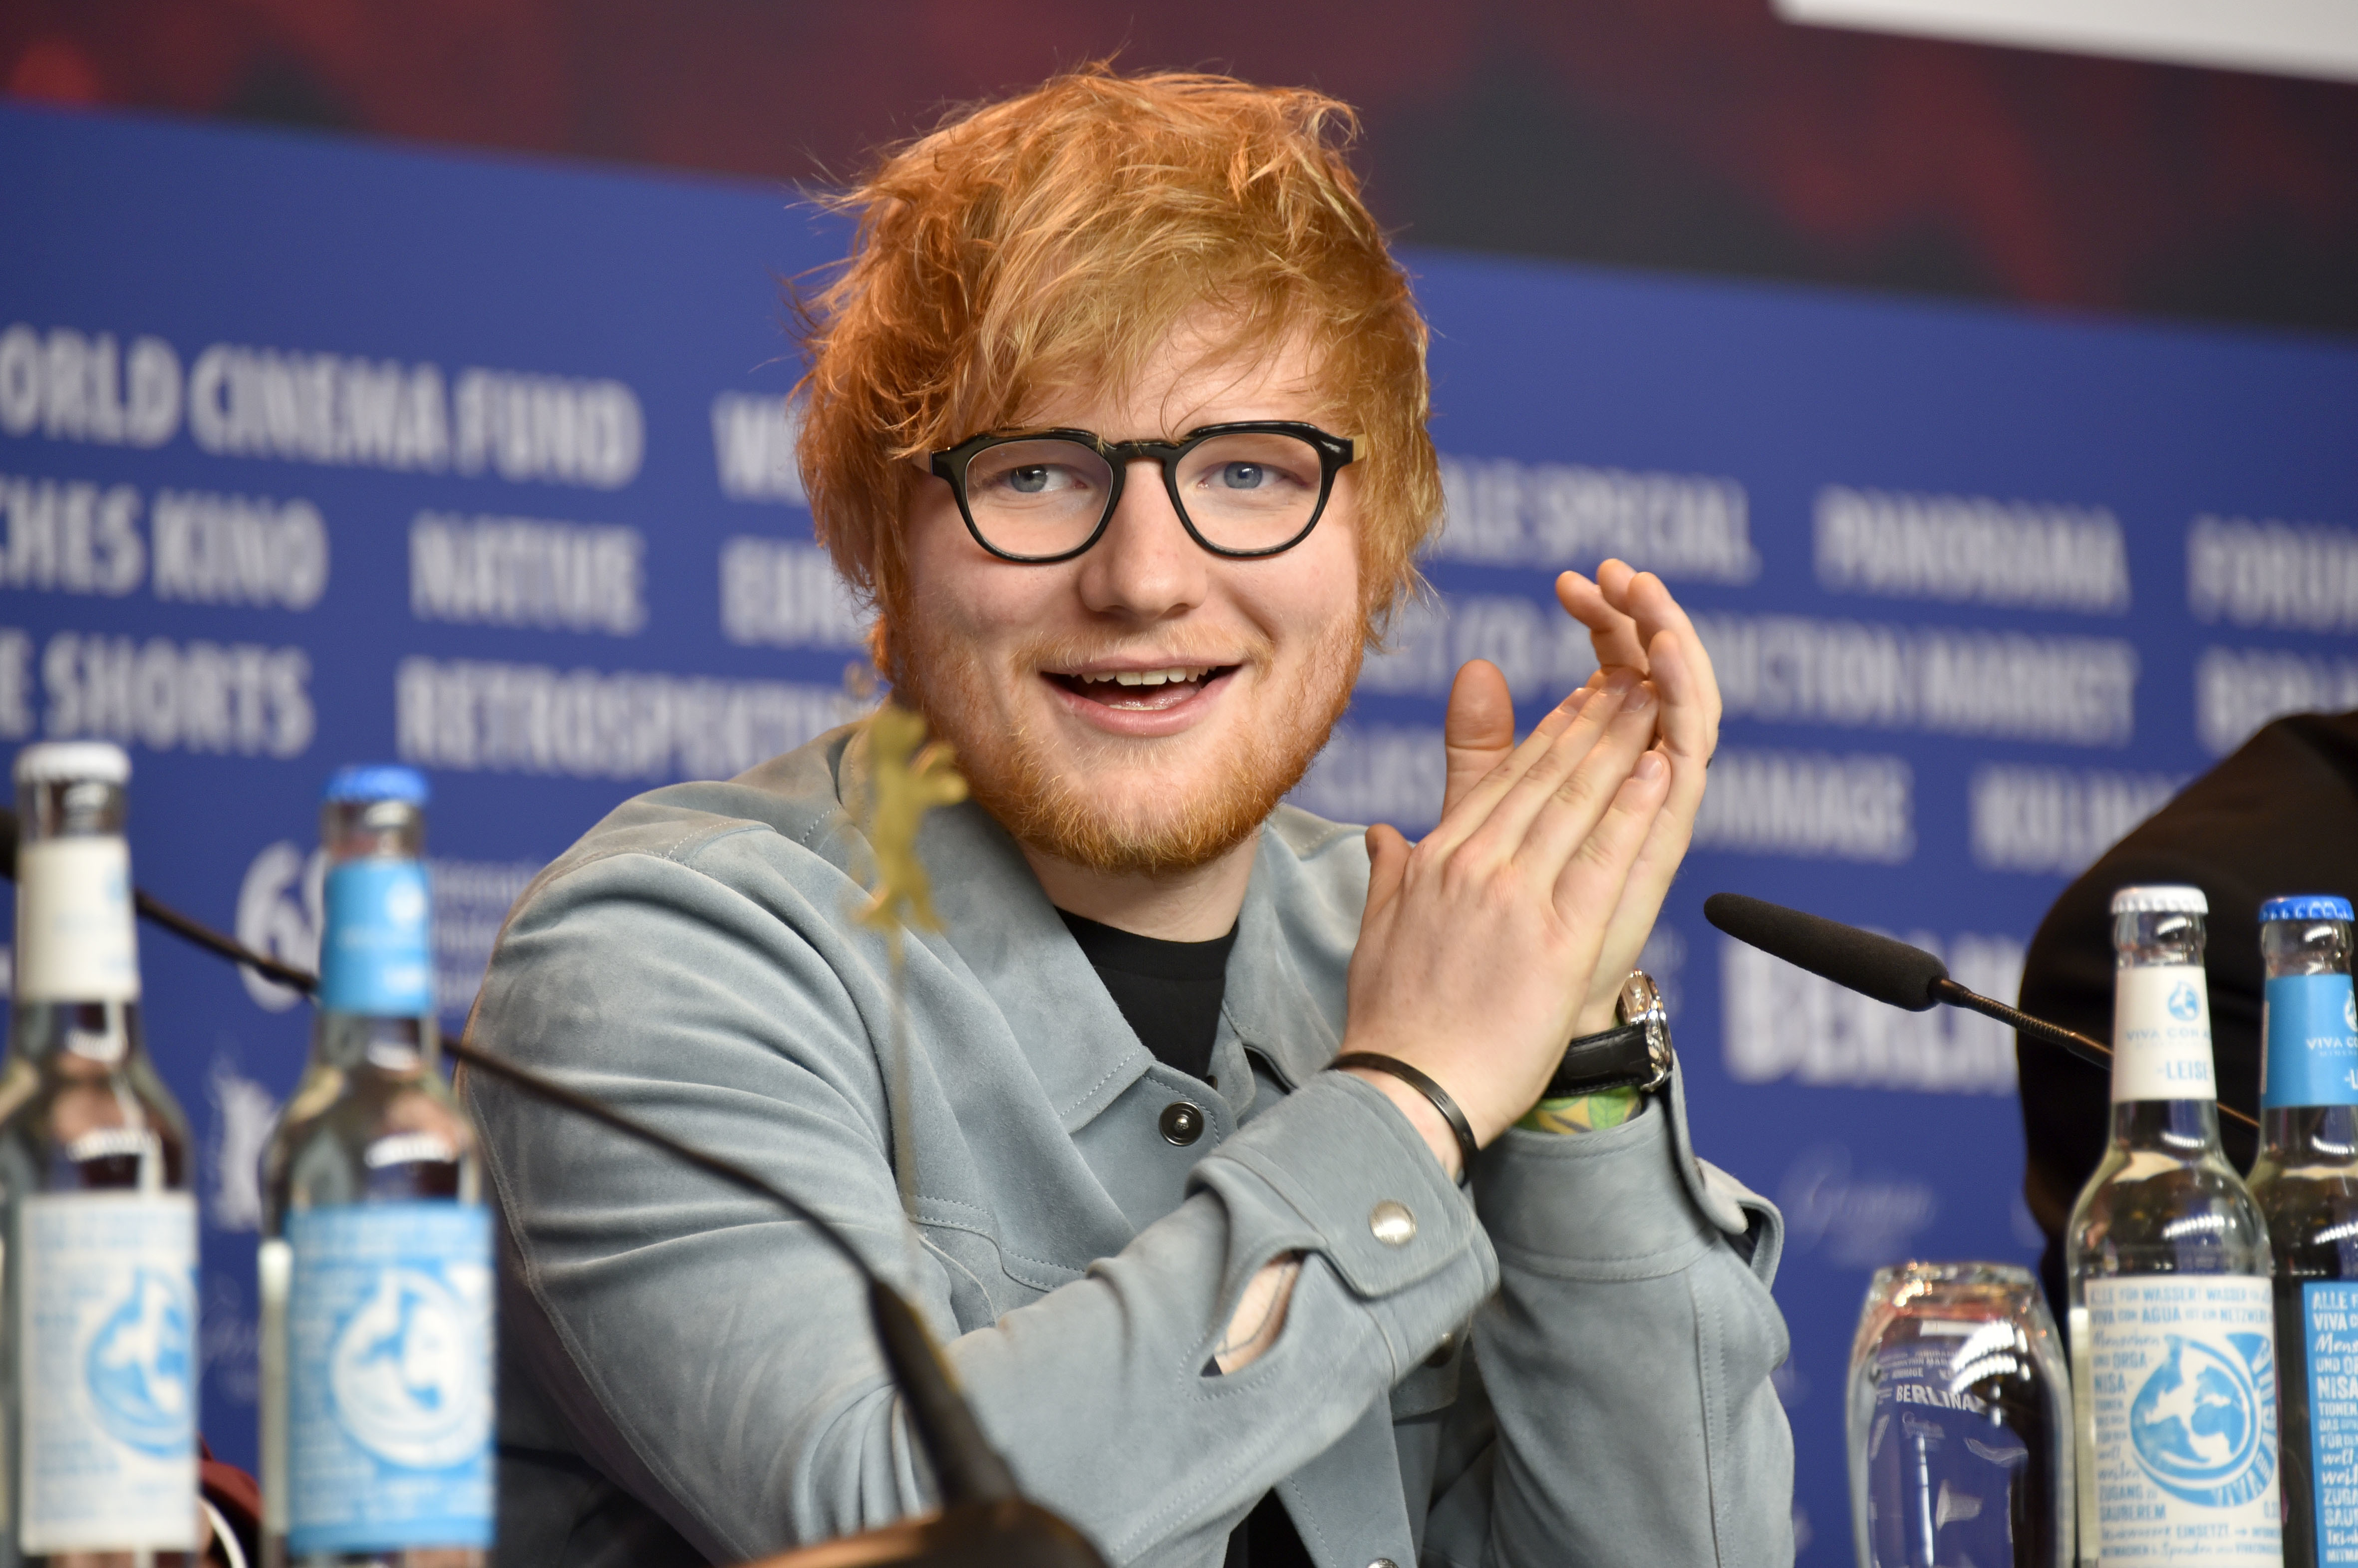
(377, 955)
(2312, 1027)
(2329, 1313)
(389, 1377)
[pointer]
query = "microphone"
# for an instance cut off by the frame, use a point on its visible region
(984, 1519)
(1886, 969)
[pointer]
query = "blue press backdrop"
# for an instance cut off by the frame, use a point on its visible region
(312, 452)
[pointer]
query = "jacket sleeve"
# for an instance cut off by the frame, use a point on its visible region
(715, 1358)
(1625, 1361)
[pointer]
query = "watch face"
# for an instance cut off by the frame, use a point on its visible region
(1640, 1003)
(1639, 999)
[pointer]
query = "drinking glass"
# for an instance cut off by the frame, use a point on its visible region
(1960, 1422)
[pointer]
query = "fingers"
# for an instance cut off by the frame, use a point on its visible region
(1640, 903)
(1620, 706)
(1387, 864)
(1466, 815)
(1597, 873)
(1633, 620)
(1651, 874)
(1638, 629)
(1479, 732)
(1690, 719)
(1626, 612)
(1612, 630)
(1656, 614)
(1559, 809)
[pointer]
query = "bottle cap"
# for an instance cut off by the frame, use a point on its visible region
(60, 762)
(364, 781)
(2161, 899)
(2306, 906)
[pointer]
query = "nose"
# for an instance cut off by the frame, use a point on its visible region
(1146, 568)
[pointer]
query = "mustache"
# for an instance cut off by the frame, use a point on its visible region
(1076, 652)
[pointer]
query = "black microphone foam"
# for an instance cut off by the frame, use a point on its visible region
(1880, 967)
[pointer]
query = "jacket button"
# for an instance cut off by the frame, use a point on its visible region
(1383, 1562)
(1181, 1123)
(1392, 1224)
(1442, 1352)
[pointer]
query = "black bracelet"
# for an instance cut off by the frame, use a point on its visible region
(1424, 1084)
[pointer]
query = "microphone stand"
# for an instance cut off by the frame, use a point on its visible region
(984, 1520)
(1891, 971)
(2095, 1053)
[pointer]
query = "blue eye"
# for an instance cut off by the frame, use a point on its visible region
(1029, 480)
(1243, 476)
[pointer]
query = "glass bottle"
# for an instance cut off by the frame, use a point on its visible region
(1959, 1421)
(98, 1332)
(2306, 1182)
(2167, 1257)
(376, 1279)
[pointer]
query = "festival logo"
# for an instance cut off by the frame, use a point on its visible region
(141, 1366)
(405, 1374)
(2184, 1005)
(2202, 1427)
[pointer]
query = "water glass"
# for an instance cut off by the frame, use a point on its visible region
(1960, 1422)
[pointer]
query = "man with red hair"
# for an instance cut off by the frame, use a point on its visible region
(1248, 1180)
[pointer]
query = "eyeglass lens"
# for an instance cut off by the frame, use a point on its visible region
(1244, 491)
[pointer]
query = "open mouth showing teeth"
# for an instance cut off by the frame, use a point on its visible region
(1142, 688)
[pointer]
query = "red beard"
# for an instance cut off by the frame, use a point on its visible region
(1056, 812)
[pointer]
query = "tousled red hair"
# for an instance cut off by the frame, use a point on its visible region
(1054, 240)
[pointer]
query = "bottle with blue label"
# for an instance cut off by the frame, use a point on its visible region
(97, 1286)
(2306, 1182)
(2173, 1331)
(377, 1257)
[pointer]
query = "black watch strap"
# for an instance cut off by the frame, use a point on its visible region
(1634, 1055)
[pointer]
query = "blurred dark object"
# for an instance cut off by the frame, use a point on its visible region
(2279, 816)
(235, 1499)
(1699, 134)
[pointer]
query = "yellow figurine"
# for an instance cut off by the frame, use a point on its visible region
(907, 777)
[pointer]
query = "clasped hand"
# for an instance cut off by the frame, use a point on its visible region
(1507, 930)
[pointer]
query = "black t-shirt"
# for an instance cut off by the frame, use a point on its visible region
(1169, 993)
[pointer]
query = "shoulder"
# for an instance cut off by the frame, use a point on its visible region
(1319, 860)
(713, 900)
(773, 828)
(1313, 873)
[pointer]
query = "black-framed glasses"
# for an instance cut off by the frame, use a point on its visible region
(1253, 488)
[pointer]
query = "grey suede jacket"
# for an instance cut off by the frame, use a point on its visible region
(1570, 1366)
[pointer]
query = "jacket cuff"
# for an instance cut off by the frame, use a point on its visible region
(1607, 1205)
(1342, 1157)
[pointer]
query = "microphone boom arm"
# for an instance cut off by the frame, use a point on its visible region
(1891, 972)
(2095, 1053)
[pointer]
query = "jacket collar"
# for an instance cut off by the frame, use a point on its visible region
(1283, 996)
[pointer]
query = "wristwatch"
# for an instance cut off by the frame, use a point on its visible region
(1636, 1056)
